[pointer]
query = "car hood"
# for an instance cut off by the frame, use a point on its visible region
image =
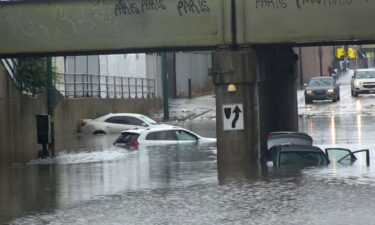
(319, 88)
(366, 80)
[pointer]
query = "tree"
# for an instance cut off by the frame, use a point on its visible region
(32, 74)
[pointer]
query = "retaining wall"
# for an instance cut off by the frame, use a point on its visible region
(18, 138)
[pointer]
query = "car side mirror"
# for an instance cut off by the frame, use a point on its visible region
(144, 125)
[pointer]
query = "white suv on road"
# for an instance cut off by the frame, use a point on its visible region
(363, 82)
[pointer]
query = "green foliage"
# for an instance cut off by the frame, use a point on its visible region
(32, 74)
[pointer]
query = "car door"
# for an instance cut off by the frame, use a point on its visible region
(352, 79)
(161, 138)
(134, 122)
(115, 124)
(346, 156)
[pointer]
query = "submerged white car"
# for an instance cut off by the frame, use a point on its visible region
(160, 135)
(116, 123)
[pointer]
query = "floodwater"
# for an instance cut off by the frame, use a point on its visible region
(179, 184)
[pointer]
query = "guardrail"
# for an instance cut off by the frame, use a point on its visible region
(102, 86)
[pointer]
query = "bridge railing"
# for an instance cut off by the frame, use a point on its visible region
(103, 86)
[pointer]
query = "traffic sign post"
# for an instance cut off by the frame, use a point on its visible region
(233, 117)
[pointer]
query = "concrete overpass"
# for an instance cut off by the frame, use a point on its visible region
(67, 26)
(252, 40)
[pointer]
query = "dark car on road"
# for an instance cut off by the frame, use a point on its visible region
(322, 88)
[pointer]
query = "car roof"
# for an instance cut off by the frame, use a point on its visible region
(124, 114)
(321, 77)
(288, 137)
(153, 129)
(281, 133)
(300, 148)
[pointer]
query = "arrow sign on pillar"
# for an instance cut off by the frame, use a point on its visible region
(232, 116)
(236, 112)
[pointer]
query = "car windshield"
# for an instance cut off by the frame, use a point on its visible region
(148, 120)
(302, 159)
(365, 74)
(321, 82)
(126, 138)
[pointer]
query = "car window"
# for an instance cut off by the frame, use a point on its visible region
(162, 136)
(302, 159)
(133, 121)
(127, 137)
(148, 120)
(341, 155)
(115, 119)
(185, 136)
(321, 82)
(364, 74)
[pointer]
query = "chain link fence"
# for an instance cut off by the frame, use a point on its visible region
(102, 86)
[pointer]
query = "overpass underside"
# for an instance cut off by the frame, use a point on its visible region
(62, 27)
(252, 40)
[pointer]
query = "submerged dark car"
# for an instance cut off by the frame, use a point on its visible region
(322, 88)
(311, 156)
(297, 155)
(295, 149)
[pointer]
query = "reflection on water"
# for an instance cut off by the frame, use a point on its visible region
(339, 130)
(179, 184)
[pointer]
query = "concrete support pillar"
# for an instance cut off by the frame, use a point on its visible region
(234, 76)
(277, 87)
(256, 93)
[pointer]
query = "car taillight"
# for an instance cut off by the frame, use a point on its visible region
(134, 143)
(80, 125)
(83, 123)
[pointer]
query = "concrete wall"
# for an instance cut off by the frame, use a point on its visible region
(153, 70)
(310, 62)
(193, 66)
(18, 138)
(69, 113)
(17, 130)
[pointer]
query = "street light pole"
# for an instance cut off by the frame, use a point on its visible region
(320, 61)
(50, 104)
(165, 84)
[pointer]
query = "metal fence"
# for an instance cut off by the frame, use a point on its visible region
(102, 86)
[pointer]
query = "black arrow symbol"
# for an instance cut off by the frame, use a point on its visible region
(237, 111)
